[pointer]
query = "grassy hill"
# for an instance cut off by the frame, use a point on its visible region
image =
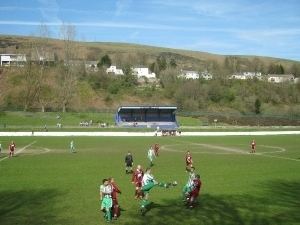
(58, 88)
(118, 51)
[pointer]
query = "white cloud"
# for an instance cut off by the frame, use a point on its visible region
(268, 35)
(134, 35)
(122, 6)
(49, 10)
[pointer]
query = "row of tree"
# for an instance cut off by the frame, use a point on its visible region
(65, 87)
(231, 65)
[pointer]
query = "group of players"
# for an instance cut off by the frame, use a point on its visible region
(144, 181)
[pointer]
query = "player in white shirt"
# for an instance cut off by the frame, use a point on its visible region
(151, 155)
(106, 199)
(148, 182)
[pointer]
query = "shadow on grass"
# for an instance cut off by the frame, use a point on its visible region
(278, 204)
(29, 208)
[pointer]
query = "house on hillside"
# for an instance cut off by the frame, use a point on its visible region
(42, 57)
(246, 75)
(206, 75)
(143, 72)
(91, 66)
(12, 59)
(189, 74)
(279, 78)
(113, 70)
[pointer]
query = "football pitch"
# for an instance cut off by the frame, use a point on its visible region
(45, 184)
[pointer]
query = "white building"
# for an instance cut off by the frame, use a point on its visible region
(206, 75)
(113, 69)
(12, 59)
(279, 78)
(246, 75)
(143, 72)
(91, 66)
(189, 74)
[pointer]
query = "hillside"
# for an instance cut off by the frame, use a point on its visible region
(139, 54)
(72, 87)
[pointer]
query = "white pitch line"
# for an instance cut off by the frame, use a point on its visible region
(243, 152)
(142, 134)
(277, 157)
(20, 150)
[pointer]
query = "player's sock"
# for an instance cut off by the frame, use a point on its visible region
(108, 215)
(163, 184)
(145, 203)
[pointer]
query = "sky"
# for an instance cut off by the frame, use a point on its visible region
(227, 27)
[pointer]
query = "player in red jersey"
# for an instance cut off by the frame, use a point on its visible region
(253, 146)
(115, 203)
(11, 149)
(156, 149)
(137, 178)
(194, 192)
(188, 161)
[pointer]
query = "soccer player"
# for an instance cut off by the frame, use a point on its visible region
(72, 147)
(188, 161)
(106, 199)
(194, 192)
(115, 203)
(156, 149)
(148, 183)
(0, 148)
(188, 186)
(11, 149)
(151, 155)
(253, 146)
(137, 178)
(128, 163)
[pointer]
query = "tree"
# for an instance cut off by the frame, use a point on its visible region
(275, 69)
(104, 61)
(257, 106)
(129, 79)
(66, 79)
(256, 65)
(232, 64)
(295, 69)
(173, 63)
(161, 62)
(31, 85)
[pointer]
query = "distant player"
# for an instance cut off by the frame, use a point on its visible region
(115, 203)
(193, 194)
(253, 146)
(148, 183)
(156, 149)
(72, 147)
(106, 199)
(128, 163)
(151, 156)
(11, 149)
(137, 178)
(188, 161)
(0, 148)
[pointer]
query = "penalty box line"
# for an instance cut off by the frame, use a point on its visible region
(239, 151)
(217, 147)
(20, 150)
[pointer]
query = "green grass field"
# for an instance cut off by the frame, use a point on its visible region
(45, 184)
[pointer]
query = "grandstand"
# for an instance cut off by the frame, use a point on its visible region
(162, 117)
